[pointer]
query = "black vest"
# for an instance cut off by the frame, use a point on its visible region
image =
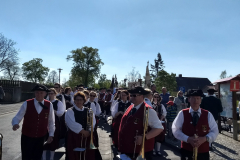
(59, 97)
(123, 106)
(67, 98)
(55, 105)
(81, 117)
(88, 105)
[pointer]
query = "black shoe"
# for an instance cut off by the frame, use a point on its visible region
(210, 148)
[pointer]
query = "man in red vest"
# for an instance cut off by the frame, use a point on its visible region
(39, 119)
(195, 121)
(131, 126)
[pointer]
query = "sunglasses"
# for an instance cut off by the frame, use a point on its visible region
(92, 95)
(134, 95)
(156, 97)
(56, 87)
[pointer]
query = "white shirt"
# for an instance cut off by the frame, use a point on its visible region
(51, 118)
(164, 112)
(178, 122)
(115, 108)
(153, 120)
(148, 101)
(72, 124)
(60, 109)
(96, 107)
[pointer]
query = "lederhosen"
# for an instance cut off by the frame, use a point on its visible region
(161, 137)
(116, 121)
(55, 143)
(75, 140)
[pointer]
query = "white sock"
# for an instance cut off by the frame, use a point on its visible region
(44, 155)
(158, 146)
(52, 154)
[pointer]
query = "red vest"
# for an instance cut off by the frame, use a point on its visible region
(34, 124)
(127, 131)
(101, 95)
(201, 129)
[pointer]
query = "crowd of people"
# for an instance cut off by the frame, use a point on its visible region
(74, 115)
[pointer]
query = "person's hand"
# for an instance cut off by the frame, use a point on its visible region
(50, 139)
(162, 117)
(193, 141)
(138, 140)
(200, 140)
(86, 133)
(15, 127)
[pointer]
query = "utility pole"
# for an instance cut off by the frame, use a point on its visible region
(59, 69)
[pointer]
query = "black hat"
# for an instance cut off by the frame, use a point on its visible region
(40, 87)
(195, 92)
(109, 90)
(80, 85)
(139, 90)
(211, 90)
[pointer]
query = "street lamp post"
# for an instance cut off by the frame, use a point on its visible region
(59, 69)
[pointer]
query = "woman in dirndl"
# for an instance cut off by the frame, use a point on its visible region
(79, 131)
(58, 110)
(161, 112)
(117, 113)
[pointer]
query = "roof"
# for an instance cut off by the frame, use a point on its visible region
(193, 82)
(227, 79)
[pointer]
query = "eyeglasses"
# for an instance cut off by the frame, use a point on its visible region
(92, 95)
(134, 95)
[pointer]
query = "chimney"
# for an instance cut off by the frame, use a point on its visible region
(180, 75)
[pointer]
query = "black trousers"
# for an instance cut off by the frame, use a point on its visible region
(188, 155)
(148, 155)
(32, 148)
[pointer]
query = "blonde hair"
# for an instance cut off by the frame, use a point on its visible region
(171, 98)
(179, 92)
(54, 90)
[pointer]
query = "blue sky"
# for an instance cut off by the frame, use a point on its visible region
(195, 38)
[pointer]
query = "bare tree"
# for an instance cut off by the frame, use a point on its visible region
(12, 70)
(7, 52)
(133, 75)
(52, 77)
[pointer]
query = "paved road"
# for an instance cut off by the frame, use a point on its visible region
(12, 149)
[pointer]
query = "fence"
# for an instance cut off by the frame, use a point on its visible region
(17, 91)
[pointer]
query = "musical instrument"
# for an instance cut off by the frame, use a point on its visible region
(195, 150)
(135, 145)
(90, 124)
(1, 138)
(145, 127)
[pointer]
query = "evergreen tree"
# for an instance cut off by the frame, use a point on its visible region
(157, 66)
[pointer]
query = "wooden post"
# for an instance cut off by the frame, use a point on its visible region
(234, 108)
(219, 117)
